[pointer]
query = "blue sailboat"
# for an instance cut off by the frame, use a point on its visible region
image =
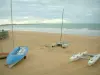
(16, 55)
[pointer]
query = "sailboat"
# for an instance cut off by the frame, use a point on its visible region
(18, 53)
(61, 43)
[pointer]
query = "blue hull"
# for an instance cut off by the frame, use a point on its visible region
(16, 55)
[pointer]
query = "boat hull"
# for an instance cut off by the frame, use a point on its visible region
(16, 55)
(93, 60)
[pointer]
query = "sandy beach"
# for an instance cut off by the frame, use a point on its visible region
(43, 60)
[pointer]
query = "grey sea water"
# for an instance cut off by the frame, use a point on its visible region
(79, 28)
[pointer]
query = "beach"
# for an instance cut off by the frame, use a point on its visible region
(43, 60)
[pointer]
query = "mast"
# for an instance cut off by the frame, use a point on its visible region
(62, 25)
(11, 19)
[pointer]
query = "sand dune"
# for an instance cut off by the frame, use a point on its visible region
(50, 61)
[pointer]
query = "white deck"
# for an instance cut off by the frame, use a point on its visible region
(21, 51)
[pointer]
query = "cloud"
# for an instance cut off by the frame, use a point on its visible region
(3, 3)
(89, 14)
(75, 10)
(55, 21)
(4, 21)
(31, 20)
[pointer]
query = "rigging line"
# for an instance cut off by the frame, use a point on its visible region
(12, 22)
(62, 25)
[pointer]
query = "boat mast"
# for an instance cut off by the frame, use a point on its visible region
(11, 20)
(62, 25)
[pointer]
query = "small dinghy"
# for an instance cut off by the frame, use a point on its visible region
(16, 55)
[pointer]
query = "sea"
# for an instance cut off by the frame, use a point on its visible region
(67, 28)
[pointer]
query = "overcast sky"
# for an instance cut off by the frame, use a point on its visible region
(76, 11)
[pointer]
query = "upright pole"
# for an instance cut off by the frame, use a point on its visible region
(12, 22)
(62, 25)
